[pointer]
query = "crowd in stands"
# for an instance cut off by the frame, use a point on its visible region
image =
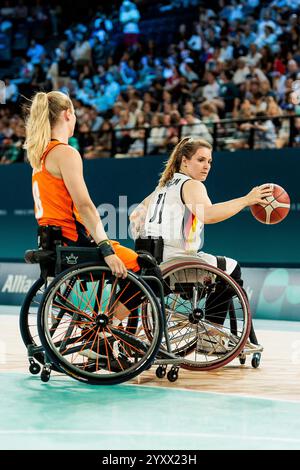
(179, 70)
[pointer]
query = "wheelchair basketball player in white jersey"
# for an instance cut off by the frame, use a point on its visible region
(179, 207)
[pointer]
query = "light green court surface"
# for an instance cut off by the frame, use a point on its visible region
(65, 414)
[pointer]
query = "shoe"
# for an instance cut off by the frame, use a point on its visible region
(108, 356)
(212, 344)
(251, 348)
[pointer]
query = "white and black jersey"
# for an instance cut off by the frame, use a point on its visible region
(168, 217)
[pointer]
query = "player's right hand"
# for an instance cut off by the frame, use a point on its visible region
(258, 194)
(116, 266)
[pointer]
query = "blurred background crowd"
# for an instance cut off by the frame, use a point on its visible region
(144, 73)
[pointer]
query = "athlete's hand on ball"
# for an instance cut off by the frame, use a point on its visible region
(274, 208)
(258, 194)
(116, 266)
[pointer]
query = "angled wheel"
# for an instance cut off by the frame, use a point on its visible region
(96, 333)
(207, 313)
(28, 320)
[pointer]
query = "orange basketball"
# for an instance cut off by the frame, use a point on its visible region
(277, 208)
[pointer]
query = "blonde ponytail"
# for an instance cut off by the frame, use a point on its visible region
(187, 147)
(43, 115)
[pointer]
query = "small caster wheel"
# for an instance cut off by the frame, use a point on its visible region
(34, 368)
(242, 360)
(173, 375)
(161, 372)
(255, 360)
(45, 374)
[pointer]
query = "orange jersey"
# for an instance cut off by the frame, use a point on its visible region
(52, 202)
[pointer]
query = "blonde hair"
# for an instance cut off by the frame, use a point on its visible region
(187, 147)
(43, 115)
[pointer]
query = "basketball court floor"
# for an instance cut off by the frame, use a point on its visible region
(236, 407)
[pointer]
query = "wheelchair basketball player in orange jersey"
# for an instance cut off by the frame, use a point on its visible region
(179, 208)
(60, 194)
(61, 198)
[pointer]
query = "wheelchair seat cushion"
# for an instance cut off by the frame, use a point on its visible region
(145, 259)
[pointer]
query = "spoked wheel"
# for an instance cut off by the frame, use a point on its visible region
(207, 313)
(96, 333)
(28, 321)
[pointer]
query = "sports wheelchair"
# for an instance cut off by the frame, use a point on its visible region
(72, 320)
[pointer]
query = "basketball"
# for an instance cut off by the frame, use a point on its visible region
(277, 208)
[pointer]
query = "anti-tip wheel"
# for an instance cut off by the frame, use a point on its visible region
(256, 360)
(34, 368)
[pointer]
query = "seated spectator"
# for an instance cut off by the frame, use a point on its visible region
(212, 89)
(140, 123)
(297, 133)
(136, 149)
(264, 133)
(11, 152)
(187, 71)
(253, 57)
(195, 91)
(240, 138)
(228, 91)
(194, 127)
(273, 109)
(102, 144)
(157, 134)
(11, 91)
(129, 17)
(38, 78)
(267, 38)
(82, 52)
(209, 114)
(35, 52)
(25, 72)
(96, 121)
(172, 121)
(285, 127)
(122, 132)
(195, 41)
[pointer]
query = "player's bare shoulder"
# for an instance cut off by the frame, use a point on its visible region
(194, 192)
(68, 156)
(63, 151)
(194, 186)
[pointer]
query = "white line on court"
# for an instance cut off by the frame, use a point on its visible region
(224, 394)
(153, 433)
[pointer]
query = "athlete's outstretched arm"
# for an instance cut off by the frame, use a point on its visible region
(196, 198)
(71, 168)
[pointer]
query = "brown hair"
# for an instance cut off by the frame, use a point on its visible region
(187, 147)
(43, 115)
